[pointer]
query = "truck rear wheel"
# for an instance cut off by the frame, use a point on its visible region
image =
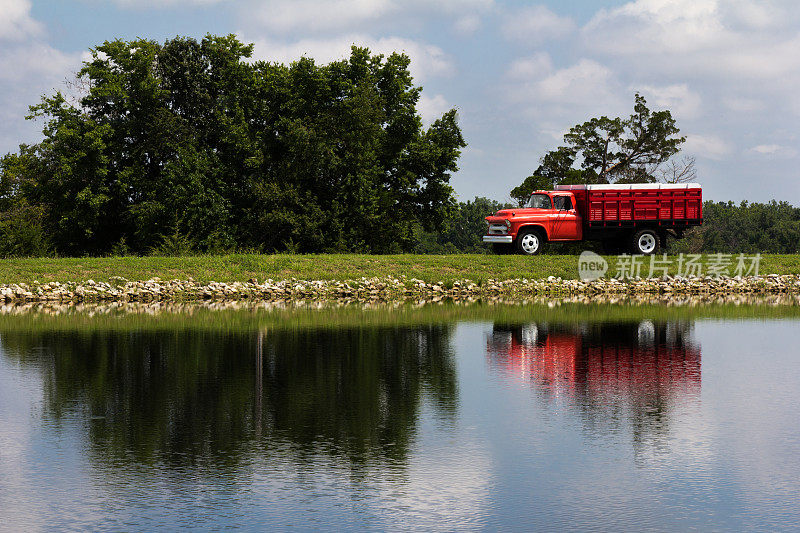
(645, 242)
(529, 242)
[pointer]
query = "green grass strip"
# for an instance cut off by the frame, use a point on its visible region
(242, 267)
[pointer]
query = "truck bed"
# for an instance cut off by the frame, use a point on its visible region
(661, 205)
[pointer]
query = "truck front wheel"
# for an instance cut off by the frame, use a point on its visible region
(645, 242)
(529, 242)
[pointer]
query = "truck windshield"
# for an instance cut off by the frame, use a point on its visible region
(539, 201)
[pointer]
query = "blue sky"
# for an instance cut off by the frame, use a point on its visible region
(520, 73)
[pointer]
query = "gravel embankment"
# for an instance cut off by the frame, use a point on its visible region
(390, 288)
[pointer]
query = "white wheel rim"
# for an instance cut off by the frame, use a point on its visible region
(647, 243)
(530, 334)
(530, 243)
(646, 333)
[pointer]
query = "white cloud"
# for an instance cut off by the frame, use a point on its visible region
(707, 146)
(426, 60)
(432, 107)
(679, 99)
(529, 68)
(576, 84)
(762, 15)
(767, 149)
(27, 71)
(449, 6)
(467, 25)
(743, 104)
(165, 3)
(697, 38)
(313, 15)
(309, 16)
(35, 62)
(559, 98)
(585, 83)
(536, 24)
(15, 20)
(761, 60)
(645, 26)
(775, 150)
(29, 67)
(740, 58)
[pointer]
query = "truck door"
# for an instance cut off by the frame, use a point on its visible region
(567, 222)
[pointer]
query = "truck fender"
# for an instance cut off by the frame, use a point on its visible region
(538, 228)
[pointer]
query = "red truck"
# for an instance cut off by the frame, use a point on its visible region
(632, 218)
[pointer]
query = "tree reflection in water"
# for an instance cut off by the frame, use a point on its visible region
(632, 375)
(197, 397)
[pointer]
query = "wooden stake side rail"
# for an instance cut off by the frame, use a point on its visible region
(661, 205)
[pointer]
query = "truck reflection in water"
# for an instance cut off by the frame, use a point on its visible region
(633, 376)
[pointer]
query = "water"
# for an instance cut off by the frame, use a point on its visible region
(589, 423)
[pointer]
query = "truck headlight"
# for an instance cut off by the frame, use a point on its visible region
(508, 223)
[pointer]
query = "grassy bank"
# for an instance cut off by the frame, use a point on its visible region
(241, 267)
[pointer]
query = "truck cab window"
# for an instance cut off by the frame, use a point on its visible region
(539, 201)
(563, 203)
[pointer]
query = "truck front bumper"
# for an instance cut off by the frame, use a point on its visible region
(498, 239)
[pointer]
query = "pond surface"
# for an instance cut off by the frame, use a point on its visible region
(589, 423)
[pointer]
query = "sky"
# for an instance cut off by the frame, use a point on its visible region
(519, 73)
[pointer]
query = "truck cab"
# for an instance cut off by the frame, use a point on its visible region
(547, 216)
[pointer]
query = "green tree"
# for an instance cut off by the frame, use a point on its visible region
(609, 150)
(191, 140)
(66, 177)
(22, 230)
(463, 229)
(772, 227)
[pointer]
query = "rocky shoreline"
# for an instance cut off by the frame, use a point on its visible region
(391, 288)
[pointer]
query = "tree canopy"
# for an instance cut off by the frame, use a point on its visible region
(749, 227)
(611, 150)
(194, 142)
